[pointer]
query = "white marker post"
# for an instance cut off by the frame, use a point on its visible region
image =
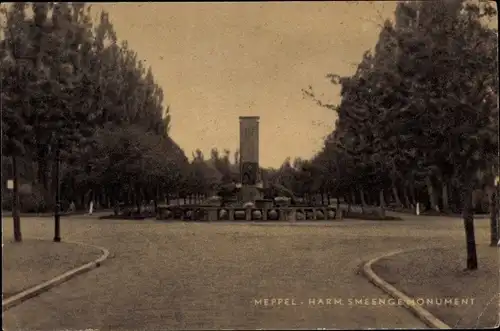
(418, 209)
(91, 208)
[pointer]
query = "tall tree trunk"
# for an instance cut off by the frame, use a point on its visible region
(432, 195)
(396, 195)
(102, 199)
(413, 195)
(363, 202)
(445, 197)
(52, 178)
(42, 169)
(494, 218)
(34, 171)
(56, 185)
(457, 198)
(405, 197)
(138, 204)
(15, 202)
(109, 198)
(468, 218)
(157, 197)
(348, 200)
(115, 195)
(382, 202)
(43, 179)
(370, 198)
(114, 199)
(138, 198)
(97, 197)
(131, 194)
(362, 195)
(381, 199)
(94, 195)
(353, 197)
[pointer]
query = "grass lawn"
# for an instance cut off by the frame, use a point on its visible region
(439, 273)
(33, 262)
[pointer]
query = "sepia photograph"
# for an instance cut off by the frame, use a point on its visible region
(266, 165)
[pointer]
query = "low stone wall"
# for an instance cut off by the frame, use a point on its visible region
(210, 213)
(367, 210)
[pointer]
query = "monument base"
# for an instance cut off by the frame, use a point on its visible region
(249, 193)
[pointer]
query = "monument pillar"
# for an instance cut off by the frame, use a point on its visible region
(249, 158)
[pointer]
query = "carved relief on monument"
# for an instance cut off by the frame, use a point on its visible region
(249, 172)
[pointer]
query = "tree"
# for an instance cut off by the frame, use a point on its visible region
(421, 108)
(16, 77)
(78, 94)
(459, 72)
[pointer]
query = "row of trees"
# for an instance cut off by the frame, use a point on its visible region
(299, 179)
(74, 96)
(83, 116)
(210, 176)
(420, 115)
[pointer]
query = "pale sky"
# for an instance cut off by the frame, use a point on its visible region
(219, 61)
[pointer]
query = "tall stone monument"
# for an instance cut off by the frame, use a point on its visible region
(249, 158)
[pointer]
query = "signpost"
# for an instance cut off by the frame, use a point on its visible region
(10, 184)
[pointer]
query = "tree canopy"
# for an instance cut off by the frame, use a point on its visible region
(420, 110)
(69, 86)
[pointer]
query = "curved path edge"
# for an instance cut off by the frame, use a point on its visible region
(424, 315)
(45, 286)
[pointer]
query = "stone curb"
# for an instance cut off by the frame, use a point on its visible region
(424, 315)
(43, 287)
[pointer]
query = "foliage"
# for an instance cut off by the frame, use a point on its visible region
(420, 109)
(402, 119)
(69, 87)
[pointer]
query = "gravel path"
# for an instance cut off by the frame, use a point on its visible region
(208, 276)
